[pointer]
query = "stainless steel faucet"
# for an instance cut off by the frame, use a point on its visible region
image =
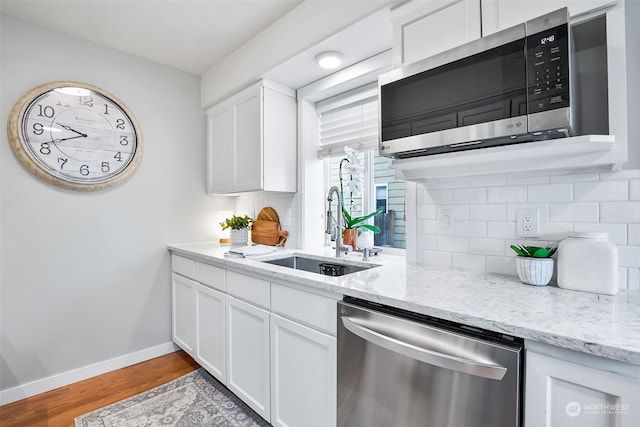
(339, 248)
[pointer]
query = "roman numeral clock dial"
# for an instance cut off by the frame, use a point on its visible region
(75, 135)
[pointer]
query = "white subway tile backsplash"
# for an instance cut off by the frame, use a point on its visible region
(486, 246)
(511, 194)
(453, 244)
(469, 261)
(439, 258)
(501, 229)
(633, 278)
(426, 242)
(484, 213)
(488, 212)
(502, 265)
(470, 195)
(629, 256)
(634, 235)
(574, 212)
(625, 212)
(427, 212)
(489, 182)
(550, 193)
(617, 232)
(438, 196)
(634, 189)
(554, 231)
(430, 226)
(600, 191)
(622, 278)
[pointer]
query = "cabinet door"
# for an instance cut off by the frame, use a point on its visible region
(500, 14)
(220, 150)
(248, 355)
(422, 29)
(210, 331)
(563, 394)
(183, 312)
(303, 375)
(247, 159)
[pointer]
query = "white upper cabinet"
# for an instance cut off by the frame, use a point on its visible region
(422, 29)
(252, 141)
(500, 14)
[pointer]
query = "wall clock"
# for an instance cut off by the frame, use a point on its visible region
(75, 135)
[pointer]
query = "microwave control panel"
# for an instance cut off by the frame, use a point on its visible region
(548, 69)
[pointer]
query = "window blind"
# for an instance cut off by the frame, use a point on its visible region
(350, 118)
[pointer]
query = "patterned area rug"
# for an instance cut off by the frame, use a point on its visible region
(195, 399)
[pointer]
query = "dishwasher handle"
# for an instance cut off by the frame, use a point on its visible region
(442, 360)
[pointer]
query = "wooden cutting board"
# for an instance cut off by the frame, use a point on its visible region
(265, 230)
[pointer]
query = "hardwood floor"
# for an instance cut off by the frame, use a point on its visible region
(59, 407)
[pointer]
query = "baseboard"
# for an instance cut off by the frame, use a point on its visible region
(59, 380)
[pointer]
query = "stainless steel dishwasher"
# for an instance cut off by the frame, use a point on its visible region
(402, 369)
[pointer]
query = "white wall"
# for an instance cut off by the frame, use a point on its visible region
(85, 276)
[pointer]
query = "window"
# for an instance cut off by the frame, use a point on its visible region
(351, 119)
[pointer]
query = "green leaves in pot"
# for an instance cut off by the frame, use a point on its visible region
(236, 222)
(534, 251)
(358, 221)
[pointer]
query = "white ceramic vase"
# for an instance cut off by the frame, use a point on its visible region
(535, 271)
(239, 237)
(364, 238)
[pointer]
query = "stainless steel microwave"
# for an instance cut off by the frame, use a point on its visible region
(539, 80)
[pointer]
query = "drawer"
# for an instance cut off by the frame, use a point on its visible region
(313, 310)
(248, 288)
(183, 266)
(210, 276)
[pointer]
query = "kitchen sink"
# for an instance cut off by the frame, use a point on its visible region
(327, 267)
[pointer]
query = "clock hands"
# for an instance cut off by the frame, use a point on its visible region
(84, 135)
(71, 137)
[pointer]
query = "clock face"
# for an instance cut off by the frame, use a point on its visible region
(75, 135)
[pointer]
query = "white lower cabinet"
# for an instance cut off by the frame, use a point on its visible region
(272, 344)
(183, 314)
(570, 389)
(211, 331)
(303, 375)
(248, 373)
(198, 323)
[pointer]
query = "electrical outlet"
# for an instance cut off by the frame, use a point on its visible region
(528, 222)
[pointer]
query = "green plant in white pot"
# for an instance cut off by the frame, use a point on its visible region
(534, 264)
(239, 226)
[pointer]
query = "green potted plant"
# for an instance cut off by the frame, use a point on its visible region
(351, 164)
(534, 264)
(239, 226)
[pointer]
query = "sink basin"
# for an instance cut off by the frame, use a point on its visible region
(327, 267)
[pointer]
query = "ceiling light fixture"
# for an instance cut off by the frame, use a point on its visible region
(329, 60)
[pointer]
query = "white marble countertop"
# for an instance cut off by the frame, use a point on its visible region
(607, 326)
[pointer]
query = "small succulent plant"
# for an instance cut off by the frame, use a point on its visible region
(533, 251)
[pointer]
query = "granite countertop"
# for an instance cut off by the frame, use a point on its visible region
(602, 325)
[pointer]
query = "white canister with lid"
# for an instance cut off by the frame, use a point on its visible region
(588, 261)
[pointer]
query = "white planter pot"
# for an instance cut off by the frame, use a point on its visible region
(239, 237)
(535, 271)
